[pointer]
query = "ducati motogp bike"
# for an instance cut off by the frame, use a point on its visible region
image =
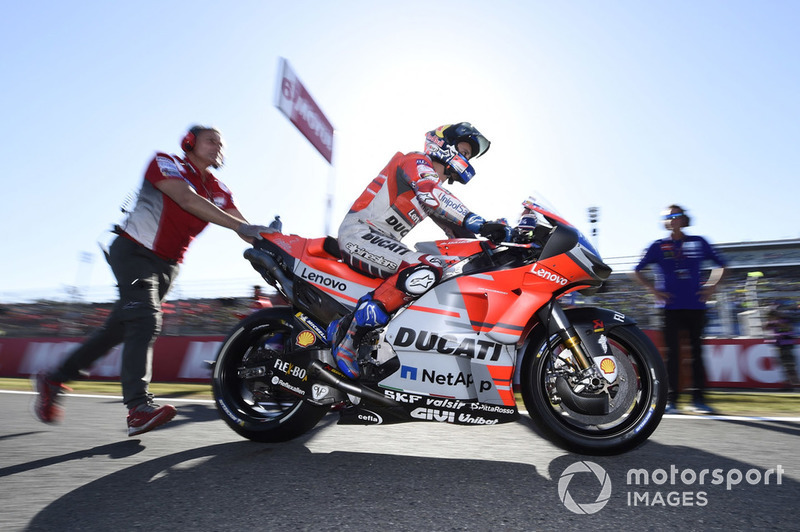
(589, 378)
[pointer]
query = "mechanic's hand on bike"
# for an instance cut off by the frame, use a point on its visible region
(253, 231)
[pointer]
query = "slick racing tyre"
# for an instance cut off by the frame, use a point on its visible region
(636, 398)
(246, 398)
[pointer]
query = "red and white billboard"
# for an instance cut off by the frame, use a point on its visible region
(175, 358)
(729, 362)
(296, 103)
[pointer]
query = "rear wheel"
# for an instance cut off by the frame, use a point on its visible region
(242, 381)
(636, 397)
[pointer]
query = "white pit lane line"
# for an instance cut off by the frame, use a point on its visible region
(522, 412)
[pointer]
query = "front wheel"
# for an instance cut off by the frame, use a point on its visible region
(637, 396)
(247, 396)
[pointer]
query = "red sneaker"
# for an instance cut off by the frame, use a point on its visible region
(47, 406)
(147, 416)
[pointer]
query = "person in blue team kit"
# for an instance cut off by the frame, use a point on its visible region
(680, 291)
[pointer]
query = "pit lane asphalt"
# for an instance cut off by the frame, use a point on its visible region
(195, 473)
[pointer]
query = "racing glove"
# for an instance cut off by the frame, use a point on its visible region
(496, 232)
(253, 231)
(473, 223)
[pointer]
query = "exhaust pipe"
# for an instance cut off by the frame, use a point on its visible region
(317, 371)
(264, 263)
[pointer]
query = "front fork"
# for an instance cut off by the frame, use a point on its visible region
(558, 323)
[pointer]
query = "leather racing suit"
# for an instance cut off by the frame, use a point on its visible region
(405, 192)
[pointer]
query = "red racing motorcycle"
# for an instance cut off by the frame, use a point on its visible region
(590, 379)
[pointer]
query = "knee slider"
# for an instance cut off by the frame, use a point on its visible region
(418, 279)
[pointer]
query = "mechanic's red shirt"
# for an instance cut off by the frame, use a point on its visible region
(157, 222)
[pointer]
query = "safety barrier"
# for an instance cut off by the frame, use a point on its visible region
(729, 362)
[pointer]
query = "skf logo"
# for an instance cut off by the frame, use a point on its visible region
(608, 366)
(305, 339)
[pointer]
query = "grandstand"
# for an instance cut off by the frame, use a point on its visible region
(184, 317)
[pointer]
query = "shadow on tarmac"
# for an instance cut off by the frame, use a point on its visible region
(285, 486)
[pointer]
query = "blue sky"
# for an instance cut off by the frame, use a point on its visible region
(628, 106)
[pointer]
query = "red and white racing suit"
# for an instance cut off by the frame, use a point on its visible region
(405, 192)
(160, 224)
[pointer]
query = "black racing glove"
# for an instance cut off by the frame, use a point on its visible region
(496, 232)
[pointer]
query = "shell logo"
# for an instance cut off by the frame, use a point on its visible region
(305, 339)
(608, 366)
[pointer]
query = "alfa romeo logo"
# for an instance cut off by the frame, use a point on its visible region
(602, 497)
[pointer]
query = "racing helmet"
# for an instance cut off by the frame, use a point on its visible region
(441, 146)
(527, 222)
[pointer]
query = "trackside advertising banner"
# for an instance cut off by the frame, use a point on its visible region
(175, 358)
(730, 363)
(296, 103)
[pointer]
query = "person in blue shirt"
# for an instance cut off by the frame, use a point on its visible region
(681, 292)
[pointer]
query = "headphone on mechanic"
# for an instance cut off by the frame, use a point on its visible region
(188, 142)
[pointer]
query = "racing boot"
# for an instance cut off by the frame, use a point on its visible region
(346, 333)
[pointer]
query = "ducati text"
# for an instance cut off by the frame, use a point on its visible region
(430, 341)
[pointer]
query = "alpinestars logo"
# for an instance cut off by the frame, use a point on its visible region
(355, 250)
(418, 282)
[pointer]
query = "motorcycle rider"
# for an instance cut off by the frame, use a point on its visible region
(405, 192)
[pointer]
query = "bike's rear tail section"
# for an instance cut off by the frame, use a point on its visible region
(308, 273)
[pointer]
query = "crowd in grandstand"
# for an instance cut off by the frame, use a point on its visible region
(216, 316)
(185, 317)
(734, 297)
